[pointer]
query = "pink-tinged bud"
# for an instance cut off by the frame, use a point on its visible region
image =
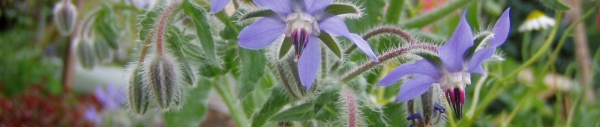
(456, 99)
(65, 14)
(85, 54)
(137, 92)
(162, 76)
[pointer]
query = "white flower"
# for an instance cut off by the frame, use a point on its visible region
(537, 20)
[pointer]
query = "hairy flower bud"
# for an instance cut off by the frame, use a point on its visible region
(427, 110)
(288, 73)
(137, 94)
(65, 14)
(162, 74)
(85, 53)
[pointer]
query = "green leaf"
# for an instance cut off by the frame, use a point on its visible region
(105, 25)
(298, 113)
(394, 112)
(429, 56)
(328, 113)
(478, 41)
(555, 4)
(373, 116)
(146, 23)
(209, 70)
(194, 109)
(176, 41)
(394, 11)
(203, 32)
(253, 64)
(276, 101)
(473, 15)
(331, 44)
(256, 14)
(426, 19)
(285, 47)
(343, 8)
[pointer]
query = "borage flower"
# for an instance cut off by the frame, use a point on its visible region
(454, 68)
(303, 22)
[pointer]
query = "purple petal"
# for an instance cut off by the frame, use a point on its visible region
(217, 5)
(501, 29)
(414, 87)
(422, 67)
(262, 33)
(335, 26)
(316, 6)
(452, 53)
(281, 7)
(363, 46)
(309, 62)
(478, 70)
(480, 56)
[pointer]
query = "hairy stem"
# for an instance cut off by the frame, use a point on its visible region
(384, 30)
(385, 57)
(227, 94)
(161, 26)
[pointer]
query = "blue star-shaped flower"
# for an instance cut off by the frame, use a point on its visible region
(453, 73)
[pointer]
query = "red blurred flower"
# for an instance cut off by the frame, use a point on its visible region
(429, 5)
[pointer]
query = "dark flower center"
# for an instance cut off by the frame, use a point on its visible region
(299, 40)
(456, 99)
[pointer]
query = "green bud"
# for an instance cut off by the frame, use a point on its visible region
(102, 50)
(85, 54)
(137, 93)
(162, 75)
(65, 14)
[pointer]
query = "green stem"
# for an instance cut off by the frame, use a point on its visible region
(227, 94)
(222, 16)
(540, 52)
(564, 36)
(497, 87)
(525, 45)
(478, 87)
(522, 103)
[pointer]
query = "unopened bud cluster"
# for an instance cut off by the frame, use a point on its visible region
(156, 79)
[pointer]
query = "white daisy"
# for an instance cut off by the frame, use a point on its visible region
(537, 20)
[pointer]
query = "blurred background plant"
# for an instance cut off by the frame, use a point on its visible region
(549, 75)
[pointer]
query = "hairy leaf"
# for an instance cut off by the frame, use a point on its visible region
(198, 15)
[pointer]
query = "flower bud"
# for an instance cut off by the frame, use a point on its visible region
(162, 75)
(65, 14)
(137, 94)
(288, 73)
(102, 50)
(85, 54)
(427, 109)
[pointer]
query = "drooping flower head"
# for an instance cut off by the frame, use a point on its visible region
(218, 5)
(303, 21)
(454, 68)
